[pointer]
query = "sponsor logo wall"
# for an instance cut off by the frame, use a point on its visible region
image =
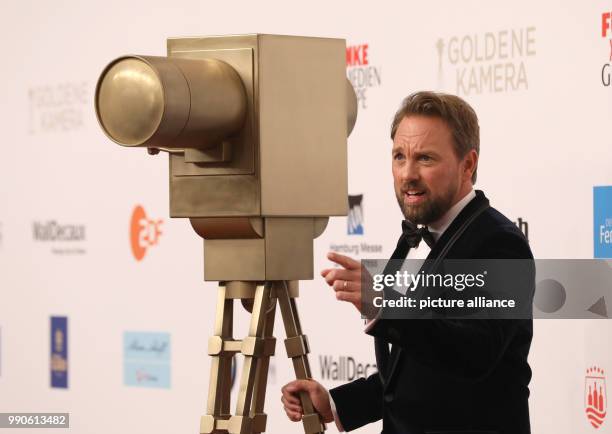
(504, 59)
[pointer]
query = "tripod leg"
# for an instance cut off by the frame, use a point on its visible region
(297, 349)
(261, 374)
(257, 349)
(218, 408)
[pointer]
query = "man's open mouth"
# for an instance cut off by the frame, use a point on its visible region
(414, 193)
(414, 196)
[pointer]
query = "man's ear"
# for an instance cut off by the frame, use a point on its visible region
(470, 163)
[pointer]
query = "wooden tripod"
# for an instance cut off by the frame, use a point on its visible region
(259, 299)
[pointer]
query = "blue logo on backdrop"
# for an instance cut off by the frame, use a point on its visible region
(602, 221)
(146, 359)
(59, 352)
(355, 215)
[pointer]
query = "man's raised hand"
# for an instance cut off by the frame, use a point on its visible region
(346, 281)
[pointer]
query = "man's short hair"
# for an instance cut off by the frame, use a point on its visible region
(458, 115)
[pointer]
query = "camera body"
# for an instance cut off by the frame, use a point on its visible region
(256, 129)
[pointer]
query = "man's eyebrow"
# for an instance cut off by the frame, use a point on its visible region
(426, 151)
(421, 151)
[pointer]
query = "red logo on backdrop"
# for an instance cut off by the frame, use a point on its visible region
(144, 232)
(361, 73)
(606, 28)
(357, 55)
(606, 24)
(595, 399)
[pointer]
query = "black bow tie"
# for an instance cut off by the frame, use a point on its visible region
(413, 235)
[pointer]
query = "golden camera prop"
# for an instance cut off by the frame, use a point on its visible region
(255, 127)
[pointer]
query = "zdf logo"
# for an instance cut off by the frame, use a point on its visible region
(144, 232)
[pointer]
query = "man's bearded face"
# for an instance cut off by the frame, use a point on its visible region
(426, 169)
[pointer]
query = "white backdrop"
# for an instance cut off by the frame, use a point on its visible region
(545, 142)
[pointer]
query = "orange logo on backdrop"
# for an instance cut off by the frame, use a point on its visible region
(144, 232)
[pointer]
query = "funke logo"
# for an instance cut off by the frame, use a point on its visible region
(144, 232)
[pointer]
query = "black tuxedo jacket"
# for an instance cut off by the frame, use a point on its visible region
(443, 375)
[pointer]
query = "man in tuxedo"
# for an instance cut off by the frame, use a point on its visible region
(441, 375)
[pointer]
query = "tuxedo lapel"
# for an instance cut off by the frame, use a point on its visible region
(381, 350)
(472, 209)
(381, 346)
(438, 253)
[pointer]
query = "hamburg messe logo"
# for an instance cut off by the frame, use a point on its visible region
(595, 400)
(355, 215)
(602, 222)
(355, 246)
(144, 232)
